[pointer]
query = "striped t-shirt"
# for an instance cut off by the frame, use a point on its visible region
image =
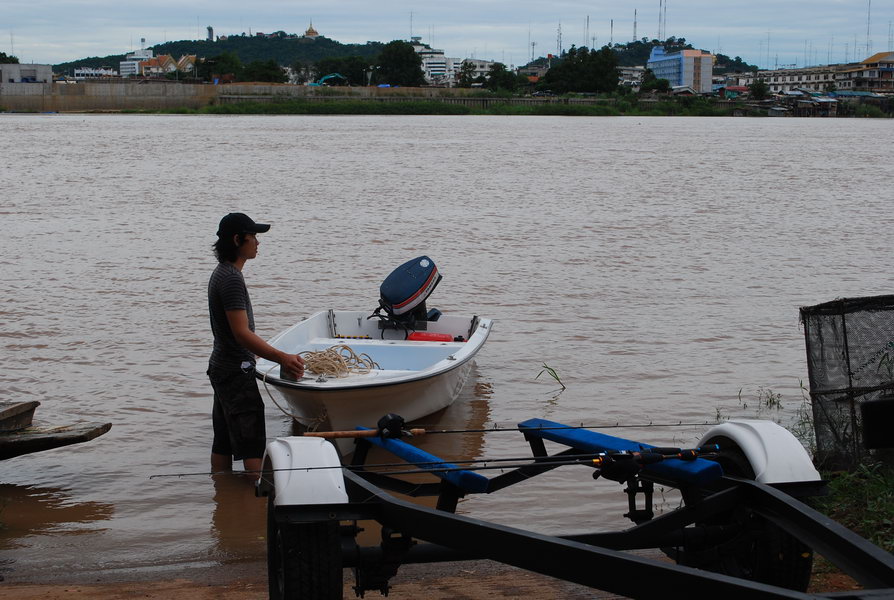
(227, 291)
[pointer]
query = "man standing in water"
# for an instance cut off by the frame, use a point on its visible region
(238, 413)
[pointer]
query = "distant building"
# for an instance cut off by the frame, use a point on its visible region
(781, 81)
(480, 67)
(684, 68)
(875, 74)
(533, 72)
(130, 66)
(438, 68)
(88, 73)
(311, 33)
(158, 66)
(210, 37)
(26, 73)
(187, 63)
(631, 76)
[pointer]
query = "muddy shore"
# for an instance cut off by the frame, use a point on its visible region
(472, 580)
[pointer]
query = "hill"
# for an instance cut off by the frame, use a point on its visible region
(289, 50)
(280, 47)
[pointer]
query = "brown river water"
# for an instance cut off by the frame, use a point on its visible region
(657, 264)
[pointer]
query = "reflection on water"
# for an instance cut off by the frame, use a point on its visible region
(238, 523)
(30, 510)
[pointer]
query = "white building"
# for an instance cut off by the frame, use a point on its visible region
(84, 73)
(130, 66)
(481, 67)
(443, 70)
(780, 81)
(631, 76)
(438, 68)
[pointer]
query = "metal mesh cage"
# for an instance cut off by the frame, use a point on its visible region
(850, 360)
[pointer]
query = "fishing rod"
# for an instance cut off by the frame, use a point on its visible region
(493, 429)
(363, 467)
(393, 426)
(645, 455)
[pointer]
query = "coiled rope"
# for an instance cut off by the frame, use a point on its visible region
(338, 361)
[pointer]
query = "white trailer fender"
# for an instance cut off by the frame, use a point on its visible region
(775, 455)
(293, 482)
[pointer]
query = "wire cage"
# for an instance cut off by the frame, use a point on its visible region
(850, 361)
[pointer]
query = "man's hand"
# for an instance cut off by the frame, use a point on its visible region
(293, 363)
(238, 320)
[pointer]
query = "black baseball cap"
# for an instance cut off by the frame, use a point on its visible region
(235, 223)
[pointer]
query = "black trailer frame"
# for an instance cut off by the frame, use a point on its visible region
(748, 525)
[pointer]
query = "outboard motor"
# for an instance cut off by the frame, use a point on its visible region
(403, 293)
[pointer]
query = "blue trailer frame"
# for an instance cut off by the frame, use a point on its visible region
(723, 515)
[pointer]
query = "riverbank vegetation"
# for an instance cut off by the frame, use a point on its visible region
(623, 105)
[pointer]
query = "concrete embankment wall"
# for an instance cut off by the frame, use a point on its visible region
(61, 97)
(160, 95)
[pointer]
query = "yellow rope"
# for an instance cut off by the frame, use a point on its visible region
(338, 361)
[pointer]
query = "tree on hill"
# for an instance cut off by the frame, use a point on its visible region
(263, 70)
(399, 64)
(637, 53)
(501, 78)
(651, 83)
(583, 70)
(725, 64)
(356, 68)
(466, 75)
(225, 66)
(8, 59)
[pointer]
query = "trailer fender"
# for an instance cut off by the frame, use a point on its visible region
(775, 455)
(305, 470)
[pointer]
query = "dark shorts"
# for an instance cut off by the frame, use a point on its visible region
(238, 415)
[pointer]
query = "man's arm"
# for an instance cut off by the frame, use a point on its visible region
(238, 320)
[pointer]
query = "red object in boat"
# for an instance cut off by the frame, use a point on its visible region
(425, 336)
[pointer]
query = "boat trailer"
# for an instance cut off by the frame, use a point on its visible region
(742, 529)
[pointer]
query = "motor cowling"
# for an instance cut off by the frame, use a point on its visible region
(403, 293)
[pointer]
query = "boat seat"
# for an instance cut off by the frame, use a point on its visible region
(468, 481)
(693, 472)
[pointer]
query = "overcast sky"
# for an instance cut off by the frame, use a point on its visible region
(763, 32)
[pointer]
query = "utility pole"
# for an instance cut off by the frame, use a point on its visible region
(660, 4)
(664, 27)
(868, 27)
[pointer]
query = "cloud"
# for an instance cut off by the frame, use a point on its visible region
(53, 31)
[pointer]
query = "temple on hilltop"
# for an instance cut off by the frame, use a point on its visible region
(311, 33)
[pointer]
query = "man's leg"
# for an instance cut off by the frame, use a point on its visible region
(253, 468)
(221, 462)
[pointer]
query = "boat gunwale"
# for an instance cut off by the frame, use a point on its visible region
(336, 384)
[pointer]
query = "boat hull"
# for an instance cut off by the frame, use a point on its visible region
(411, 378)
(338, 410)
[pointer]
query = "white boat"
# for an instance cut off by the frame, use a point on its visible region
(417, 371)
